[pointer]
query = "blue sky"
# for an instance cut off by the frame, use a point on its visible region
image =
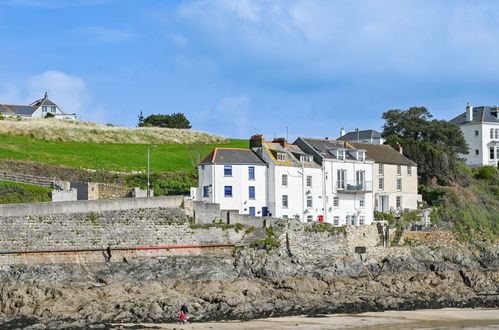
(237, 68)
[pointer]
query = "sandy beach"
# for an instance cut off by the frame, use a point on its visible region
(449, 318)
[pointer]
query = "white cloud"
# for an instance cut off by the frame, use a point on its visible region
(108, 35)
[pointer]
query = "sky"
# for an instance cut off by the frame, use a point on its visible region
(243, 67)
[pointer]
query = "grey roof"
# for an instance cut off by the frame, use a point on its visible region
(293, 153)
(384, 154)
(362, 135)
(324, 147)
(21, 110)
(44, 101)
(480, 115)
(232, 156)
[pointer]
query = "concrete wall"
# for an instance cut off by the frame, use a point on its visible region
(64, 195)
(208, 213)
(94, 206)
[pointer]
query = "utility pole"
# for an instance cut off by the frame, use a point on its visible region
(149, 170)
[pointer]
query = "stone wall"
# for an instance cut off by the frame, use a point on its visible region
(430, 238)
(96, 230)
(102, 205)
(113, 191)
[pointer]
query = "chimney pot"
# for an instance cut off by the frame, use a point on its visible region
(342, 131)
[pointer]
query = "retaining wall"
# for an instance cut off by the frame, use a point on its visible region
(95, 206)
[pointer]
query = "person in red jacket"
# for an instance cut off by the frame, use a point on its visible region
(182, 317)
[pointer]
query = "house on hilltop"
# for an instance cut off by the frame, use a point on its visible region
(38, 109)
(480, 127)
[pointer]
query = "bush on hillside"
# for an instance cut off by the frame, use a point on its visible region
(13, 192)
(486, 172)
(175, 120)
(49, 115)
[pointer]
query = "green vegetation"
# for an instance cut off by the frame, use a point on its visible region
(175, 120)
(486, 173)
(384, 216)
(109, 157)
(13, 192)
(320, 227)
(271, 242)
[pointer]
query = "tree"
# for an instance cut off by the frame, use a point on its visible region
(141, 119)
(175, 120)
(433, 144)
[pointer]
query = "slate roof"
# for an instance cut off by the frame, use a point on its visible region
(232, 156)
(44, 101)
(385, 154)
(363, 135)
(482, 114)
(293, 153)
(22, 110)
(324, 146)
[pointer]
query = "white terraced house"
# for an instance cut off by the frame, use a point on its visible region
(347, 192)
(294, 180)
(38, 109)
(480, 127)
(234, 178)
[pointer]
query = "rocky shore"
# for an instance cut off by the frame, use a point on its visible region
(293, 279)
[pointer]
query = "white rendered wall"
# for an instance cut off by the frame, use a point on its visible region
(408, 193)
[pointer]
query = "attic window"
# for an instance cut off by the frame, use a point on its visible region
(281, 157)
(361, 156)
(306, 159)
(341, 154)
(493, 112)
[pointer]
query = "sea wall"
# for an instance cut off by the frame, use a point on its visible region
(103, 205)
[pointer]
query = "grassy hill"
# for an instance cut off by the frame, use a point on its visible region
(13, 192)
(108, 156)
(83, 131)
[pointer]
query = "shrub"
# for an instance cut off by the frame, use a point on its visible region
(486, 173)
(49, 115)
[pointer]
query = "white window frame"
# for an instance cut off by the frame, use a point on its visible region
(281, 157)
(362, 220)
(381, 170)
(336, 201)
(362, 203)
(309, 202)
(284, 180)
(399, 170)
(309, 181)
(381, 184)
(285, 201)
(399, 184)
(398, 202)
(336, 220)
(409, 170)
(310, 218)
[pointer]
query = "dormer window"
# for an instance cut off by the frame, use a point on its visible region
(341, 154)
(281, 157)
(494, 112)
(361, 156)
(306, 159)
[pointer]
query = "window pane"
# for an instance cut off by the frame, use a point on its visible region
(251, 173)
(228, 191)
(251, 192)
(227, 170)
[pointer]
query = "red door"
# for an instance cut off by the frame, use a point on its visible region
(321, 218)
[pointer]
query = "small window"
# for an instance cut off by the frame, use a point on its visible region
(251, 173)
(497, 133)
(206, 191)
(251, 192)
(491, 133)
(492, 152)
(227, 170)
(306, 159)
(362, 202)
(285, 201)
(399, 170)
(381, 170)
(228, 191)
(309, 201)
(476, 133)
(341, 154)
(409, 170)
(281, 157)
(284, 216)
(477, 152)
(399, 184)
(362, 220)
(399, 202)
(284, 180)
(336, 201)
(310, 218)
(381, 184)
(44, 109)
(361, 156)
(52, 109)
(336, 220)
(352, 220)
(309, 181)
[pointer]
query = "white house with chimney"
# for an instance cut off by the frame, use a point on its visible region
(234, 178)
(347, 191)
(294, 180)
(480, 127)
(41, 108)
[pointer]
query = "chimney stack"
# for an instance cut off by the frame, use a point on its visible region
(256, 141)
(358, 134)
(342, 131)
(282, 141)
(469, 112)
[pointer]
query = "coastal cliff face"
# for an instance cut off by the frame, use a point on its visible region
(309, 273)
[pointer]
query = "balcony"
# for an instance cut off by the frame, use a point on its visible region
(354, 186)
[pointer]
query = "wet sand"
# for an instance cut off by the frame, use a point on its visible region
(449, 318)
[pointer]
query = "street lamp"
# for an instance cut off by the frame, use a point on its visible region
(149, 170)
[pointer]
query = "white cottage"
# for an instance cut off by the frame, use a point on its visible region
(39, 109)
(294, 180)
(234, 178)
(480, 127)
(347, 192)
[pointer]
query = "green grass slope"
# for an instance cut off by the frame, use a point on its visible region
(13, 192)
(107, 156)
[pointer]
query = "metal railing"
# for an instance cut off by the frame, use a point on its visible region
(354, 186)
(31, 179)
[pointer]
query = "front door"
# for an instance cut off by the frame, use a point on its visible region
(265, 211)
(252, 211)
(383, 203)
